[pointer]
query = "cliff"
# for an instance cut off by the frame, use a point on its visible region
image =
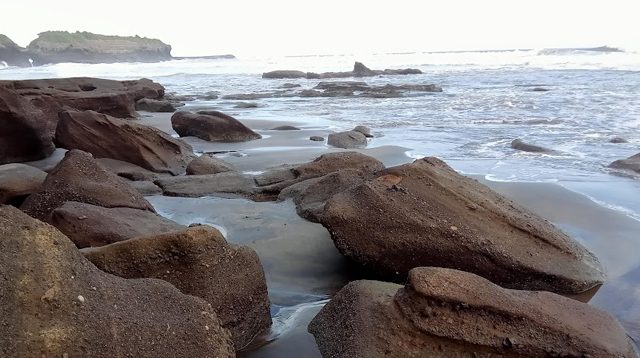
(11, 53)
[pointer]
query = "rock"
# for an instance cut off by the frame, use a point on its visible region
(618, 140)
(448, 313)
(426, 214)
(108, 137)
(347, 140)
(146, 187)
(127, 170)
(209, 96)
(91, 226)
(205, 164)
(227, 184)
(284, 74)
(17, 181)
(342, 86)
(212, 126)
(632, 163)
(27, 131)
(55, 303)
(525, 147)
(540, 89)
(246, 105)
(78, 177)
(199, 262)
(402, 71)
(285, 128)
(364, 130)
(360, 70)
(155, 105)
(290, 85)
(316, 138)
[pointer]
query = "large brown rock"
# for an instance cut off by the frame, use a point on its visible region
(199, 262)
(79, 178)
(109, 137)
(206, 164)
(55, 303)
(226, 184)
(347, 140)
(632, 164)
(27, 131)
(448, 313)
(426, 214)
(18, 181)
(91, 226)
(212, 126)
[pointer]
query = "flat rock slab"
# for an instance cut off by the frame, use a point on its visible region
(448, 313)
(91, 226)
(426, 214)
(212, 126)
(227, 183)
(199, 262)
(55, 303)
(19, 180)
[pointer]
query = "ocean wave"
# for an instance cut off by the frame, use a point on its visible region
(571, 51)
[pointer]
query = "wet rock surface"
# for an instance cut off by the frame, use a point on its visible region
(17, 181)
(347, 140)
(448, 313)
(78, 177)
(142, 145)
(206, 164)
(212, 126)
(359, 70)
(199, 262)
(518, 144)
(55, 303)
(426, 214)
(631, 164)
(227, 184)
(155, 105)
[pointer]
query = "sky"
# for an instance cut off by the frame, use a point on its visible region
(297, 27)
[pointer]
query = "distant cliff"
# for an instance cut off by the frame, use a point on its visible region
(84, 47)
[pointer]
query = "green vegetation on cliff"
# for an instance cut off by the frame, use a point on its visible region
(5, 42)
(86, 41)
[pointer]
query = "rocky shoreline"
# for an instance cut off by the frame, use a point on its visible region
(83, 243)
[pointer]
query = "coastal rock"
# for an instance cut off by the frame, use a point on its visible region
(316, 138)
(205, 164)
(155, 105)
(285, 128)
(347, 140)
(17, 181)
(127, 170)
(55, 303)
(92, 226)
(526, 147)
(290, 85)
(199, 262)
(12, 54)
(78, 177)
(618, 140)
(284, 74)
(146, 187)
(212, 126)
(426, 214)
(351, 86)
(226, 184)
(246, 105)
(448, 313)
(360, 70)
(108, 137)
(364, 130)
(27, 131)
(632, 164)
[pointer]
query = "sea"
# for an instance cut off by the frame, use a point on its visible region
(573, 101)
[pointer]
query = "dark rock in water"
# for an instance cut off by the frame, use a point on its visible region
(249, 96)
(127, 170)
(426, 214)
(212, 126)
(78, 177)
(17, 181)
(227, 184)
(290, 85)
(146, 187)
(618, 140)
(342, 86)
(155, 105)
(199, 262)
(205, 164)
(526, 147)
(447, 313)
(55, 303)
(347, 140)
(403, 71)
(316, 138)
(175, 98)
(632, 163)
(284, 74)
(91, 226)
(108, 137)
(364, 130)
(209, 96)
(27, 131)
(360, 70)
(540, 89)
(246, 105)
(285, 128)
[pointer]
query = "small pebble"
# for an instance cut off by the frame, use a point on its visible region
(81, 298)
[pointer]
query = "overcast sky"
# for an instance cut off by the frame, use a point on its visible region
(290, 27)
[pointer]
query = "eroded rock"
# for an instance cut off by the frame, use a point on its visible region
(206, 164)
(632, 163)
(347, 140)
(17, 181)
(212, 126)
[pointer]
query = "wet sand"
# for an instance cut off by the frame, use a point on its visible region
(303, 267)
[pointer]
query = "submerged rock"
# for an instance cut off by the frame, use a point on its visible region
(79, 178)
(108, 137)
(206, 164)
(426, 214)
(284, 74)
(632, 163)
(347, 140)
(199, 262)
(55, 303)
(285, 128)
(364, 130)
(448, 313)
(92, 226)
(17, 181)
(316, 138)
(526, 147)
(212, 126)
(618, 140)
(359, 70)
